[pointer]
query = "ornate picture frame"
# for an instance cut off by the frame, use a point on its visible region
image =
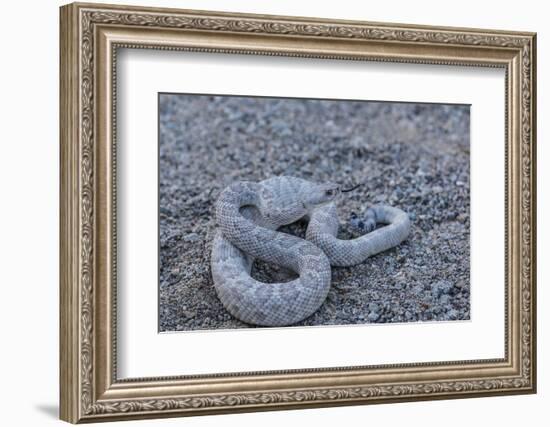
(90, 37)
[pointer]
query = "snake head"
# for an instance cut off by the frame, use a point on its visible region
(320, 194)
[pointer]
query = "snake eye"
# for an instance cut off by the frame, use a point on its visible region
(329, 192)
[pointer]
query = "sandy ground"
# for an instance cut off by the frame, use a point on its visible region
(412, 156)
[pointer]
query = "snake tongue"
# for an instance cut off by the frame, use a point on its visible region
(347, 190)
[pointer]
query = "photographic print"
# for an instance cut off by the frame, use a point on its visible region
(309, 212)
(291, 204)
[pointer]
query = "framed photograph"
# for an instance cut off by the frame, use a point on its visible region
(267, 212)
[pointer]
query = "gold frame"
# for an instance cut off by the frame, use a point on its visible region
(90, 35)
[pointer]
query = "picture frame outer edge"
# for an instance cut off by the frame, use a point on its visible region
(69, 353)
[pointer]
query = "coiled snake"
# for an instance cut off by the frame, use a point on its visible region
(248, 215)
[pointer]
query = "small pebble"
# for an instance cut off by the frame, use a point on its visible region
(192, 237)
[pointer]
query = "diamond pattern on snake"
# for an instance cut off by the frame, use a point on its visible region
(248, 215)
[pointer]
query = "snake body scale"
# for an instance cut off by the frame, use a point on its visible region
(248, 215)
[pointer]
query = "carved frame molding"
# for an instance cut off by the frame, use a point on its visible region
(90, 36)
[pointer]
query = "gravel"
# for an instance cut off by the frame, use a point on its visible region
(412, 156)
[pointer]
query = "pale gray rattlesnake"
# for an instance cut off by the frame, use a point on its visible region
(248, 215)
